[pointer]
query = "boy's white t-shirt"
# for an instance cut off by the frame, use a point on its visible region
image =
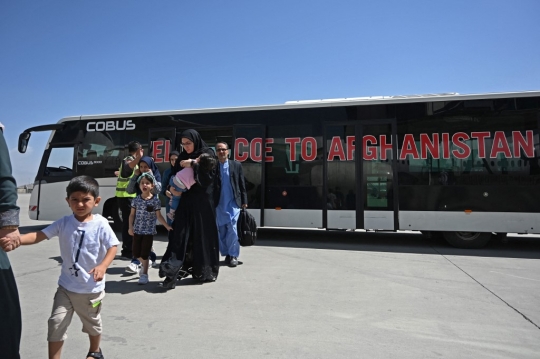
(83, 245)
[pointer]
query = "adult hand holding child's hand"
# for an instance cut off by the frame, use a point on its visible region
(10, 239)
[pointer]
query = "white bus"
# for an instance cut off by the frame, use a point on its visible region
(465, 166)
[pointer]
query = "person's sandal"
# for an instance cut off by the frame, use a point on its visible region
(96, 355)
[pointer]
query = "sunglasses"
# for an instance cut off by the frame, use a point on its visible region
(222, 149)
(150, 208)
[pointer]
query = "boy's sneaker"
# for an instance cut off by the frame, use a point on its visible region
(140, 272)
(143, 279)
(133, 267)
(152, 259)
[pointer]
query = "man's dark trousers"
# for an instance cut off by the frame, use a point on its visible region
(124, 203)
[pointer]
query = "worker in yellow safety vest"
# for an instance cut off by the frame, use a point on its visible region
(123, 199)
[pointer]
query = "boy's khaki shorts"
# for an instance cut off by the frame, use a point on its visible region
(86, 305)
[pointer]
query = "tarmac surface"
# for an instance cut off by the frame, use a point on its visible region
(308, 294)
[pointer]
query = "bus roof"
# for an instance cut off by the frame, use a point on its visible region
(353, 101)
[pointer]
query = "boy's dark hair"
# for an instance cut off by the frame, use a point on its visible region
(84, 184)
(133, 146)
(207, 162)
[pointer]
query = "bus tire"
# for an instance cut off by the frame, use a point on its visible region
(467, 240)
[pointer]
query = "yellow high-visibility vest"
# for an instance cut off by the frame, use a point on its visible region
(122, 183)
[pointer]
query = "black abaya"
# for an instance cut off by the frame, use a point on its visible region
(194, 238)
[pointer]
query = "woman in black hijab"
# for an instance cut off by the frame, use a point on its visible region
(193, 244)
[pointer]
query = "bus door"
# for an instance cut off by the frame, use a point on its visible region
(378, 175)
(360, 186)
(248, 148)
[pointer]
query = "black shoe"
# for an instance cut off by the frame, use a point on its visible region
(227, 259)
(201, 280)
(168, 283)
(96, 355)
(233, 262)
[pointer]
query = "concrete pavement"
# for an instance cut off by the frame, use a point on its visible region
(309, 294)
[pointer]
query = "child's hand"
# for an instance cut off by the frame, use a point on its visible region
(169, 228)
(130, 231)
(99, 273)
(10, 239)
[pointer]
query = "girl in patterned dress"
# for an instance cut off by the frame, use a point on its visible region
(145, 209)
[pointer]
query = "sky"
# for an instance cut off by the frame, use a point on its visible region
(84, 57)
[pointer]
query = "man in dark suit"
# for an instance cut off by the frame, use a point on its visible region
(229, 196)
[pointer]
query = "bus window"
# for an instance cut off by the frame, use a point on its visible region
(98, 155)
(293, 170)
(60, 163)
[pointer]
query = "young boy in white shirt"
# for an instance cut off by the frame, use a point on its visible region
(87, 247)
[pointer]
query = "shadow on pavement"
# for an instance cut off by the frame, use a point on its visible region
(399, 242)
(518, 246)
(58, 259)
(130, 285)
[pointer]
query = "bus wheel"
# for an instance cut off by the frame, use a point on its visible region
(467, 239)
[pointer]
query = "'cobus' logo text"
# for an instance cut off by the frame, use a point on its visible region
(119, 125)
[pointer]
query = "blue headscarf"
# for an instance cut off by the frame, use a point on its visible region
(152, 166)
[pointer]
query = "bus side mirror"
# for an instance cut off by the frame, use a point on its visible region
(23, 141)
